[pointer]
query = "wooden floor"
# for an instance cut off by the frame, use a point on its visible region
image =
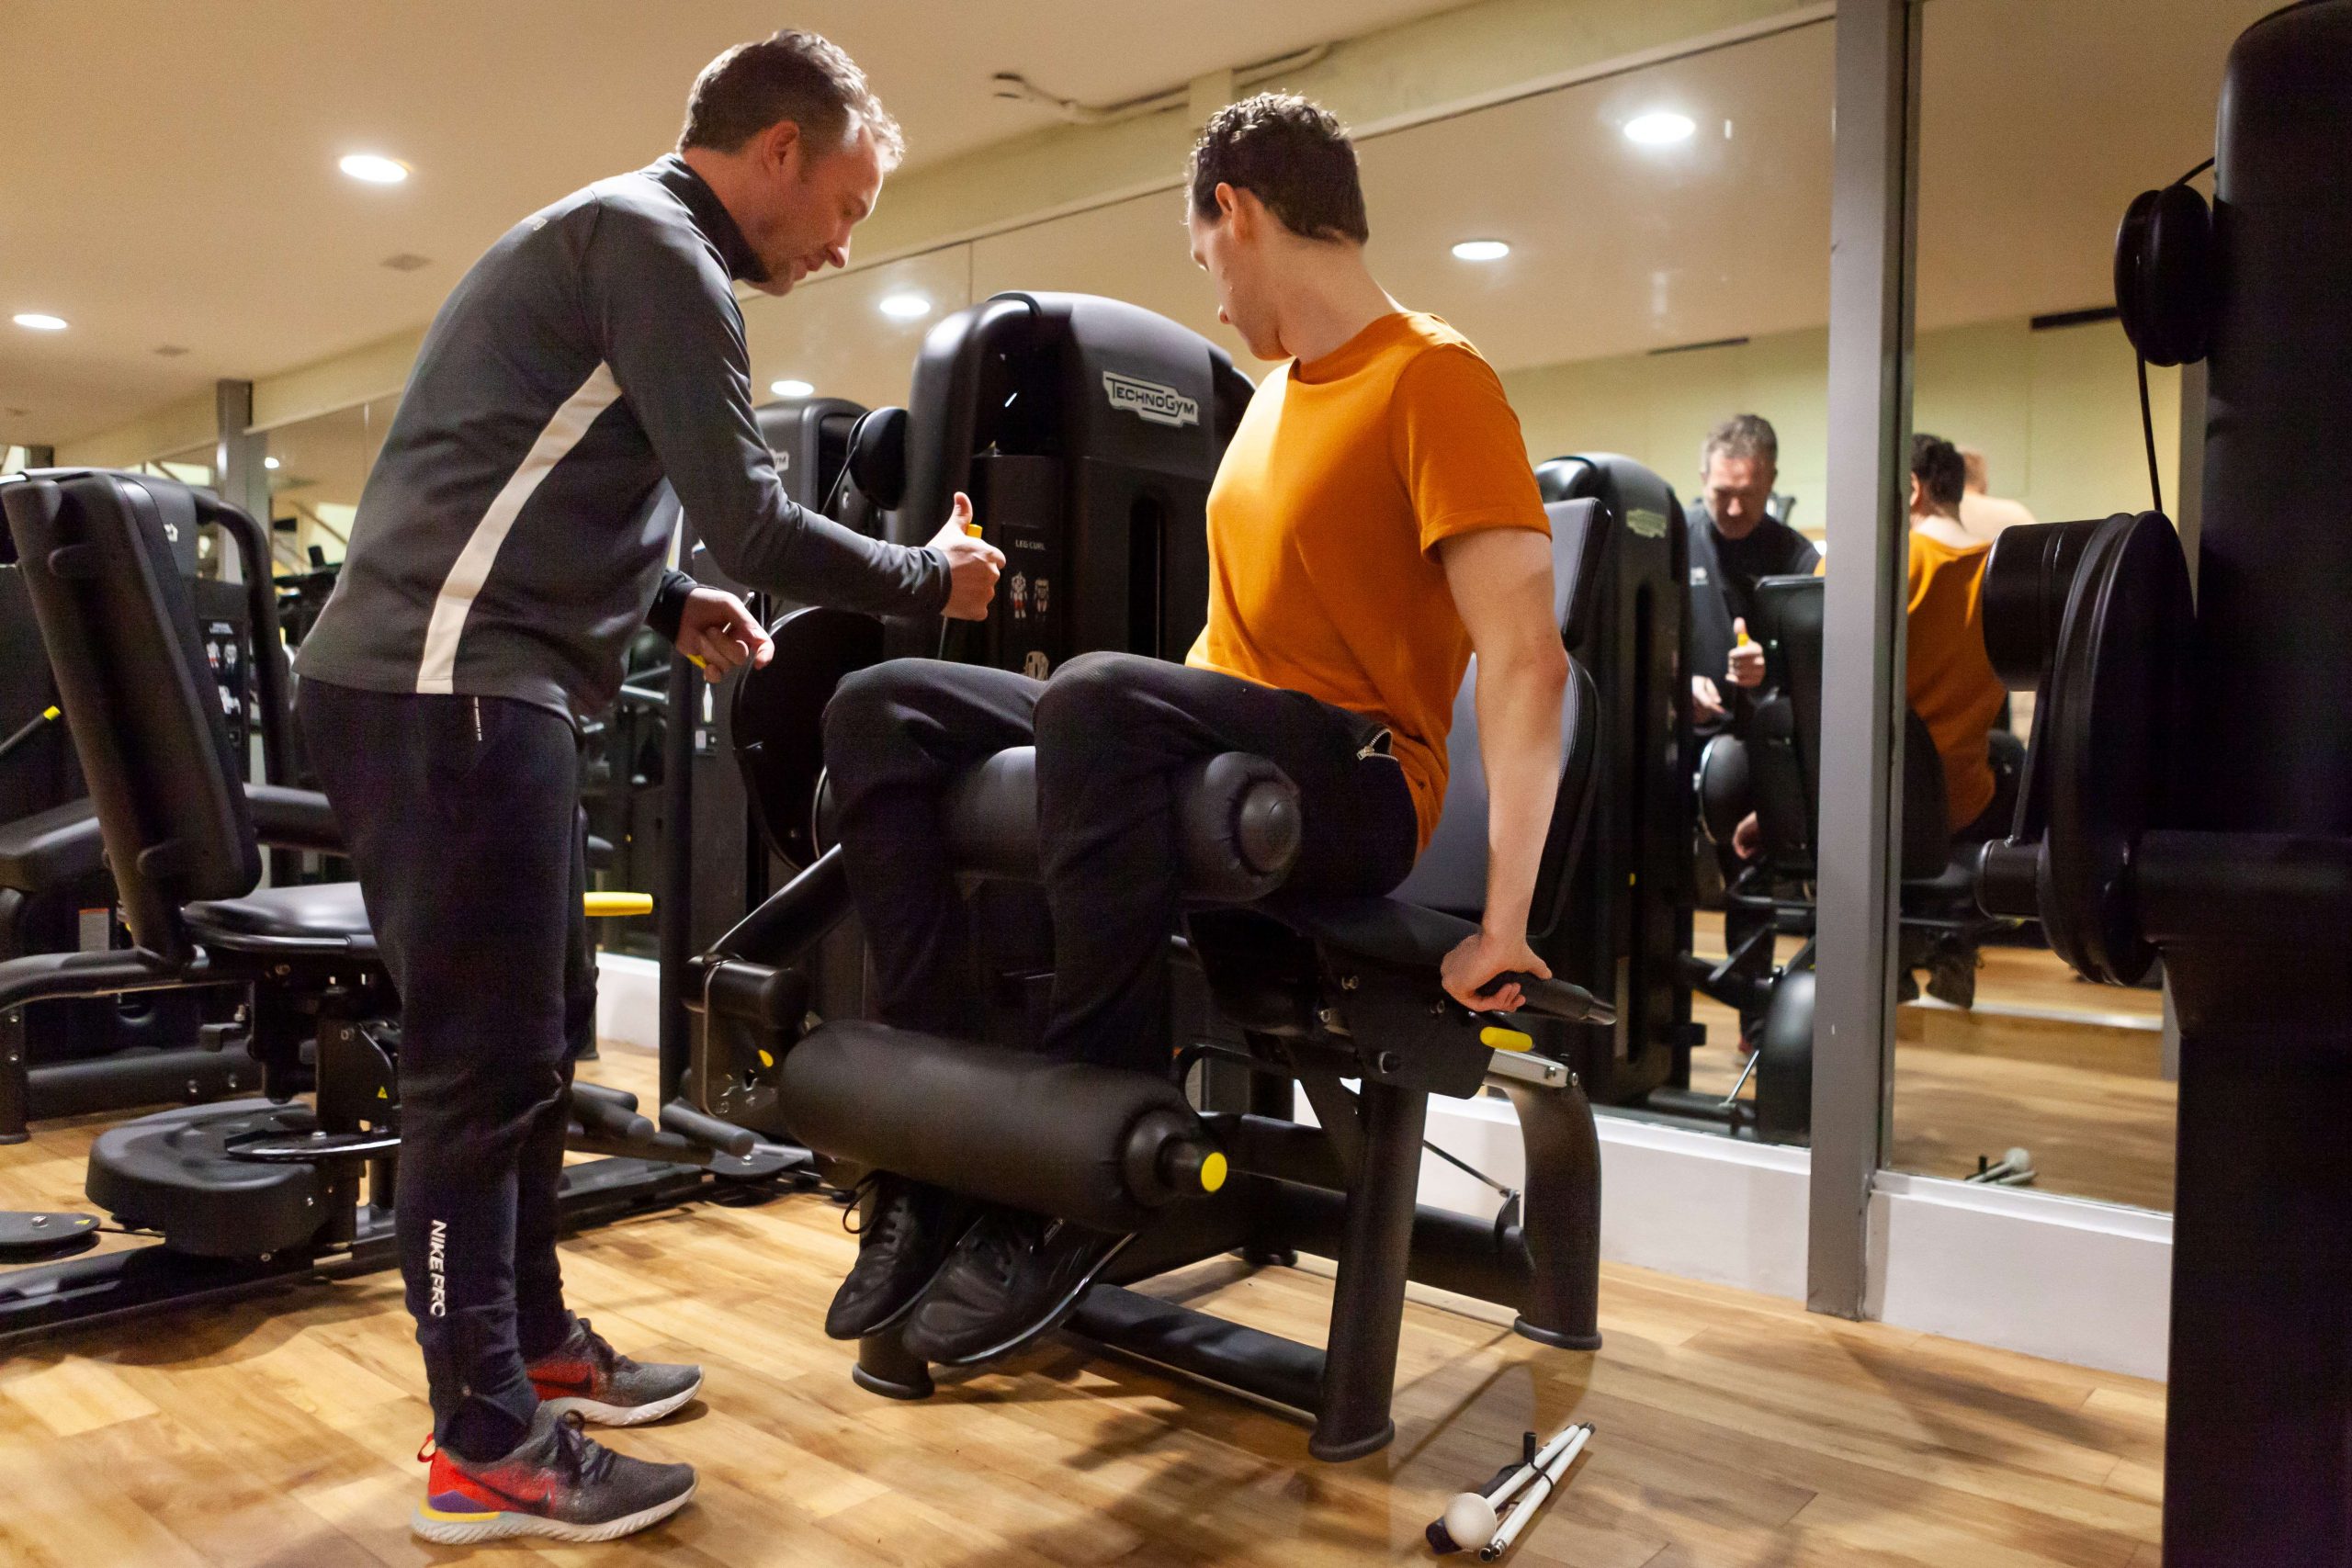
(1732, 1429)
(2069, 1071)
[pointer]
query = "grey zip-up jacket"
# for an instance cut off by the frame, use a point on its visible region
(508, 543)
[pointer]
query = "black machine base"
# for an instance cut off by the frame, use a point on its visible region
(25, 1237)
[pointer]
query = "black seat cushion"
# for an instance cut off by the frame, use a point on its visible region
(50, 847)
(1387, 930)
(327, 918)
(173, 1172)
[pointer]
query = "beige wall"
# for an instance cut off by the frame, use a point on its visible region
(2056, 413)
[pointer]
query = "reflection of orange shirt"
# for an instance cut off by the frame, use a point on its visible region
(1952, 684)
(1324, 524)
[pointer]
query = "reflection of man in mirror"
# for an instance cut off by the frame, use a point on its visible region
(1733, 542)
(1981, 513)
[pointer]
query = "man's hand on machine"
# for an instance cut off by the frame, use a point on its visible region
(1707, 700)
(1746, 666)
(973, 564)
(1472, 967)
(718, 631)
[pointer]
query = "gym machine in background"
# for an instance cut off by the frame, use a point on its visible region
(68, 1058)
(2189, 791)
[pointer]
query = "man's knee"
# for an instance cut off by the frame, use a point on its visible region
(1092, 694)
(865, 722)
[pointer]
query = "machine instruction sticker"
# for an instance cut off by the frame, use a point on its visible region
(1149, 400)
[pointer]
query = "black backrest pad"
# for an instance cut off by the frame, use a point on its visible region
(97, 553)
(1452, 872)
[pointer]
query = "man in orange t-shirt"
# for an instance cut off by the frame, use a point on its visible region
(1374, 521)
(1950, 682)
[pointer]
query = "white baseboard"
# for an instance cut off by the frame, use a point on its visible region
(2064, 1278)
(629, 996)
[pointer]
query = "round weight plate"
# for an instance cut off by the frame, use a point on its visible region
(2117, 683)
(778, 715)
(27, 1237)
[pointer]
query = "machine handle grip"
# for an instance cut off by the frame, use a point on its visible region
(1555, 999)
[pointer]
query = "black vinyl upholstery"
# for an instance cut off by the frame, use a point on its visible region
(1451, 871)
(1007, 1126)
(1238, 823)
(120, 627)
(326, 916)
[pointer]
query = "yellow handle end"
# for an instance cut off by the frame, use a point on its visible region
(1213, 1172)
(1495, 1037)
(972, 529)
(50, 712)
(613, 906)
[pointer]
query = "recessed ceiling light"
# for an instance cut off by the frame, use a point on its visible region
(1662, 128)
(1481, 250)
(36, 322)
(906, 306)
(374, 169)
(269, 462)
(791, 389)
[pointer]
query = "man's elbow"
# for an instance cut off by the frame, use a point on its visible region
(1537, 666)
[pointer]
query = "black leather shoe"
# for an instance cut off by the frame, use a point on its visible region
(911, 1228)
(1013, 1278)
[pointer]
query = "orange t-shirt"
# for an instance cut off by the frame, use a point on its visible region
(1952, 684)
(1324, 524)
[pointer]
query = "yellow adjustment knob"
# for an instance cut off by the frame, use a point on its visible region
(766, 1060)
(49, 714)
(1213, 1171)
(972, 529)
(611, 906)
(1495, 1037)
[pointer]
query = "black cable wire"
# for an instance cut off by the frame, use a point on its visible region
(2148, 431)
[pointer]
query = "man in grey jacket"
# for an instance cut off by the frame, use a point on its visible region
(507, 546)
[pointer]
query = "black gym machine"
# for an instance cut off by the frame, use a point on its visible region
(2189, 791)
(243, 1196)
(1087, 432)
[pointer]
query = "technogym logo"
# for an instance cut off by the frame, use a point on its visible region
(1150, 400)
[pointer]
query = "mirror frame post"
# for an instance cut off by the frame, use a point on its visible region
(1873, 228)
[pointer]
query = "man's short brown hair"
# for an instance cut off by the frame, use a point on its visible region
(1942, 474)
(796, 77)
(1289, 154)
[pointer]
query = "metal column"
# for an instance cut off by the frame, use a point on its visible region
(1873, 224)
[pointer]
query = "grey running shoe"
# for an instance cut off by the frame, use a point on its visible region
(585, 1375)
(558, 1482)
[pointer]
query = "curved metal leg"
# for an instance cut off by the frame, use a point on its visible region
(1562, 1226)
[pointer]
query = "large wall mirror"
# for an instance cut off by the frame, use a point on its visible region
(2026, 164)
(1655, 261)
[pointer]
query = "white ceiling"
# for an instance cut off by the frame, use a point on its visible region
(170, 174)
(2038, 122)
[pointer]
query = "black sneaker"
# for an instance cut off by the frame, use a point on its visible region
(1951, 976)
(556, 1482)
(1014, 1277)
(910, 1227)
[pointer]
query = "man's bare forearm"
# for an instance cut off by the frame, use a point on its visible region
(1519, 689)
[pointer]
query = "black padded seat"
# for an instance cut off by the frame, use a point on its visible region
(50, 847)
(1387, 930)
(327, 918)
(173, 1172)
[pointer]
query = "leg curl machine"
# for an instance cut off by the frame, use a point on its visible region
(1087, 432)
